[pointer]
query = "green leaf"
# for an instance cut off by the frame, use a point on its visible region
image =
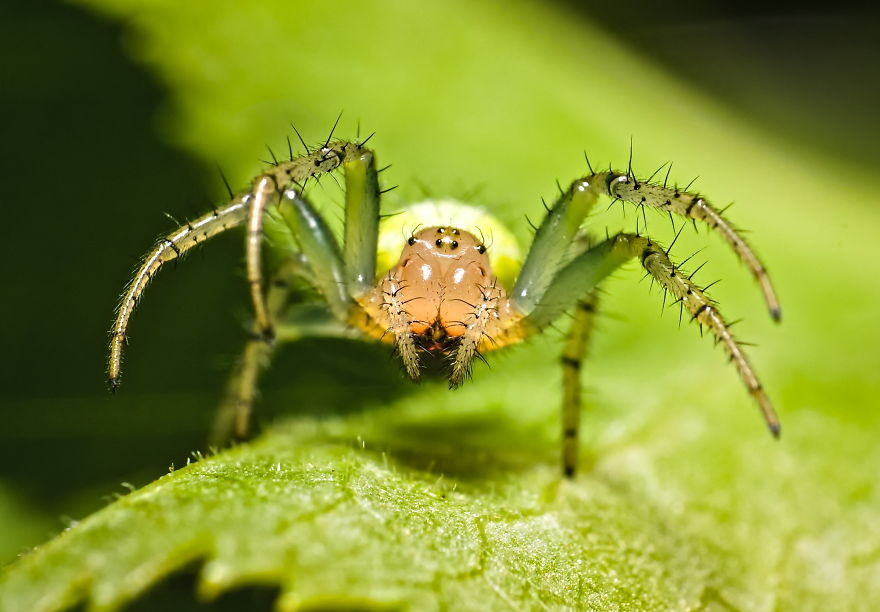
(345, 511)
(452, 500)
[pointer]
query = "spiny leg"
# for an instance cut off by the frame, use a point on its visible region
(626, 187)
(572, 358)
(584, 272)
(234, 413)
(704, 311)
(320, 261)
(171, 247)
(550, 249)
(362, 214)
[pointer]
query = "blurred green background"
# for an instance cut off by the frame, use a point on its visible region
(116, 112)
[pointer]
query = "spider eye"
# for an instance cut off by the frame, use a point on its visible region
(411, 241)
(439, 242)
(454, 244)
(481, 249)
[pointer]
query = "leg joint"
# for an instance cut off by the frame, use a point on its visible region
(571, 362)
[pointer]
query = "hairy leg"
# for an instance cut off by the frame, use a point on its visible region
(234, 413)
(554, 236)
(265, 192)
(580, 276)
(358, 163)
(362, 215)
(572, 358)
(169, 248)
(692, 206)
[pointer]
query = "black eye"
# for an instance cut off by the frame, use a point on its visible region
(440, 230)
(411, 241)
(481, 249)
(439, 242)
(455, 232)
(454, 244)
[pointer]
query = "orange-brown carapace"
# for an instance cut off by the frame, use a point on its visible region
(442, 293)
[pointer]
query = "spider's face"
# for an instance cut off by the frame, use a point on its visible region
(443, 273)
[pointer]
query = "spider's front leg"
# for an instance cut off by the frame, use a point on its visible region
(693, 206)
(559, 272)
(337, 276)
(581, 275)
(251, 207)
(167, 249)
(352, 274)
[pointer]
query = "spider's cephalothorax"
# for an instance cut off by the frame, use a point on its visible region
(441, 296)
(438, 290)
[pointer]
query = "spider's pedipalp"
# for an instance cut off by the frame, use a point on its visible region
(475, 333)
(400, 322)
(169, 248)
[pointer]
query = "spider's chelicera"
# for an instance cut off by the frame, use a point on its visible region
(448, 294)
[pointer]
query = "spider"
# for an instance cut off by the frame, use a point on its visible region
(440, 294)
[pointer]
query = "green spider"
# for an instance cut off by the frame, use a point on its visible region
(426, 283)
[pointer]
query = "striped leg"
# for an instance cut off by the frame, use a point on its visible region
(677, 201)
(572, 358)
(580, 277)
(169, 248)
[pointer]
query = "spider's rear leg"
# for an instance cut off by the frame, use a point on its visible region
(572, 358)
(171, 247)
(234, 414)
(291, 323)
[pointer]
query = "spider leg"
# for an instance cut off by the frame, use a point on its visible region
(579, 277)
(168, 248)
(625, 186)
(572, 357)
(233, 415)
(320, 250)
(361, 221)
(553, 240)
(301, 227)
(300, 321)
(264, 191)
(362, 215)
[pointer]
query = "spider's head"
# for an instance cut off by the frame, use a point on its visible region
(444, 273)
(441, 297)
